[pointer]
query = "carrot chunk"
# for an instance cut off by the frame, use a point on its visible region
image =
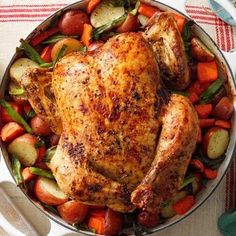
(87, 34)
(11, 131)
(209, 173)
(183, 205)
(27, 175)
(197, 165)
(46, 54)
(180, 20)
(204, 110)
(199, 137)
(223, 124)
(91, 5)
(204, 123)
(96, 223)
(207, 72)
(147, 10)
(193, 97)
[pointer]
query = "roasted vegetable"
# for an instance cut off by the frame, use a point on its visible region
(200, 52)
(105, 13)
(215, 142)
(72, 21)
(15, 115)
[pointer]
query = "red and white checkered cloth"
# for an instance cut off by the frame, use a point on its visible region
(223, 34)
(225, 37)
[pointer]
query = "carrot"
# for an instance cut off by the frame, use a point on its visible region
(193, 97)
(204, 110)
(199, 137)
(43, 35)
(197, 165)
(183, 205)
(223, 124)
(87, 34)
(11, 131)
(197, 88)
(4, 114)
(91, 5)
(209, 173)
(180, 20)
(207, 72)
(96, 223)
(27, 175)
(46, 54)
(204, 123)
(147, 10)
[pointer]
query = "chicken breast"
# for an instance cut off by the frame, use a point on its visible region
(109, 120)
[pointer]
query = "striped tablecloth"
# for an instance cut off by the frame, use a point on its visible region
(18, 18)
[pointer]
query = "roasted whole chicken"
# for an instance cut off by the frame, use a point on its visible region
(125, 141)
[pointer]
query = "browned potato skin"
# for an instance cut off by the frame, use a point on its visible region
(73, 211)
(39, 126)
(200, 53)
(113, 222)
(130, 24)
(148, 219)
(71, 22)
(54, 139)
(224, 109)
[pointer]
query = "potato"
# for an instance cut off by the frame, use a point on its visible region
(24, 148)
(105, 13)
(72, 45)
(113, 222)
(143, 19)
(130, 24)
(72, 22)
(200, 52)
(94, 45)
(39, 126)
(215, 142)
(54, 139)
(73, 211)
(148, 219)
(48, 192)
(223, 109)
(20, 66)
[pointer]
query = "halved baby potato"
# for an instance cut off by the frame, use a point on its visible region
(20, 66)
(71, 44)
(200, 52)
(48, 192)
(105, 13)
(24, 148)
(215, 142)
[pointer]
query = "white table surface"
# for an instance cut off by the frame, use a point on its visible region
(203, 222)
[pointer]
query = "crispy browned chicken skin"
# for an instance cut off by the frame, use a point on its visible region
(125, 142)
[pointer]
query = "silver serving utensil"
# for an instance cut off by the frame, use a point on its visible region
(12, 222)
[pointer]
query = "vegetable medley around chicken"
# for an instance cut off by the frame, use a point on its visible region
(111, 120)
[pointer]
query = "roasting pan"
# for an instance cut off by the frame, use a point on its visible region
(228, 69)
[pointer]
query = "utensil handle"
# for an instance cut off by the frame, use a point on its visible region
(228, 6)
